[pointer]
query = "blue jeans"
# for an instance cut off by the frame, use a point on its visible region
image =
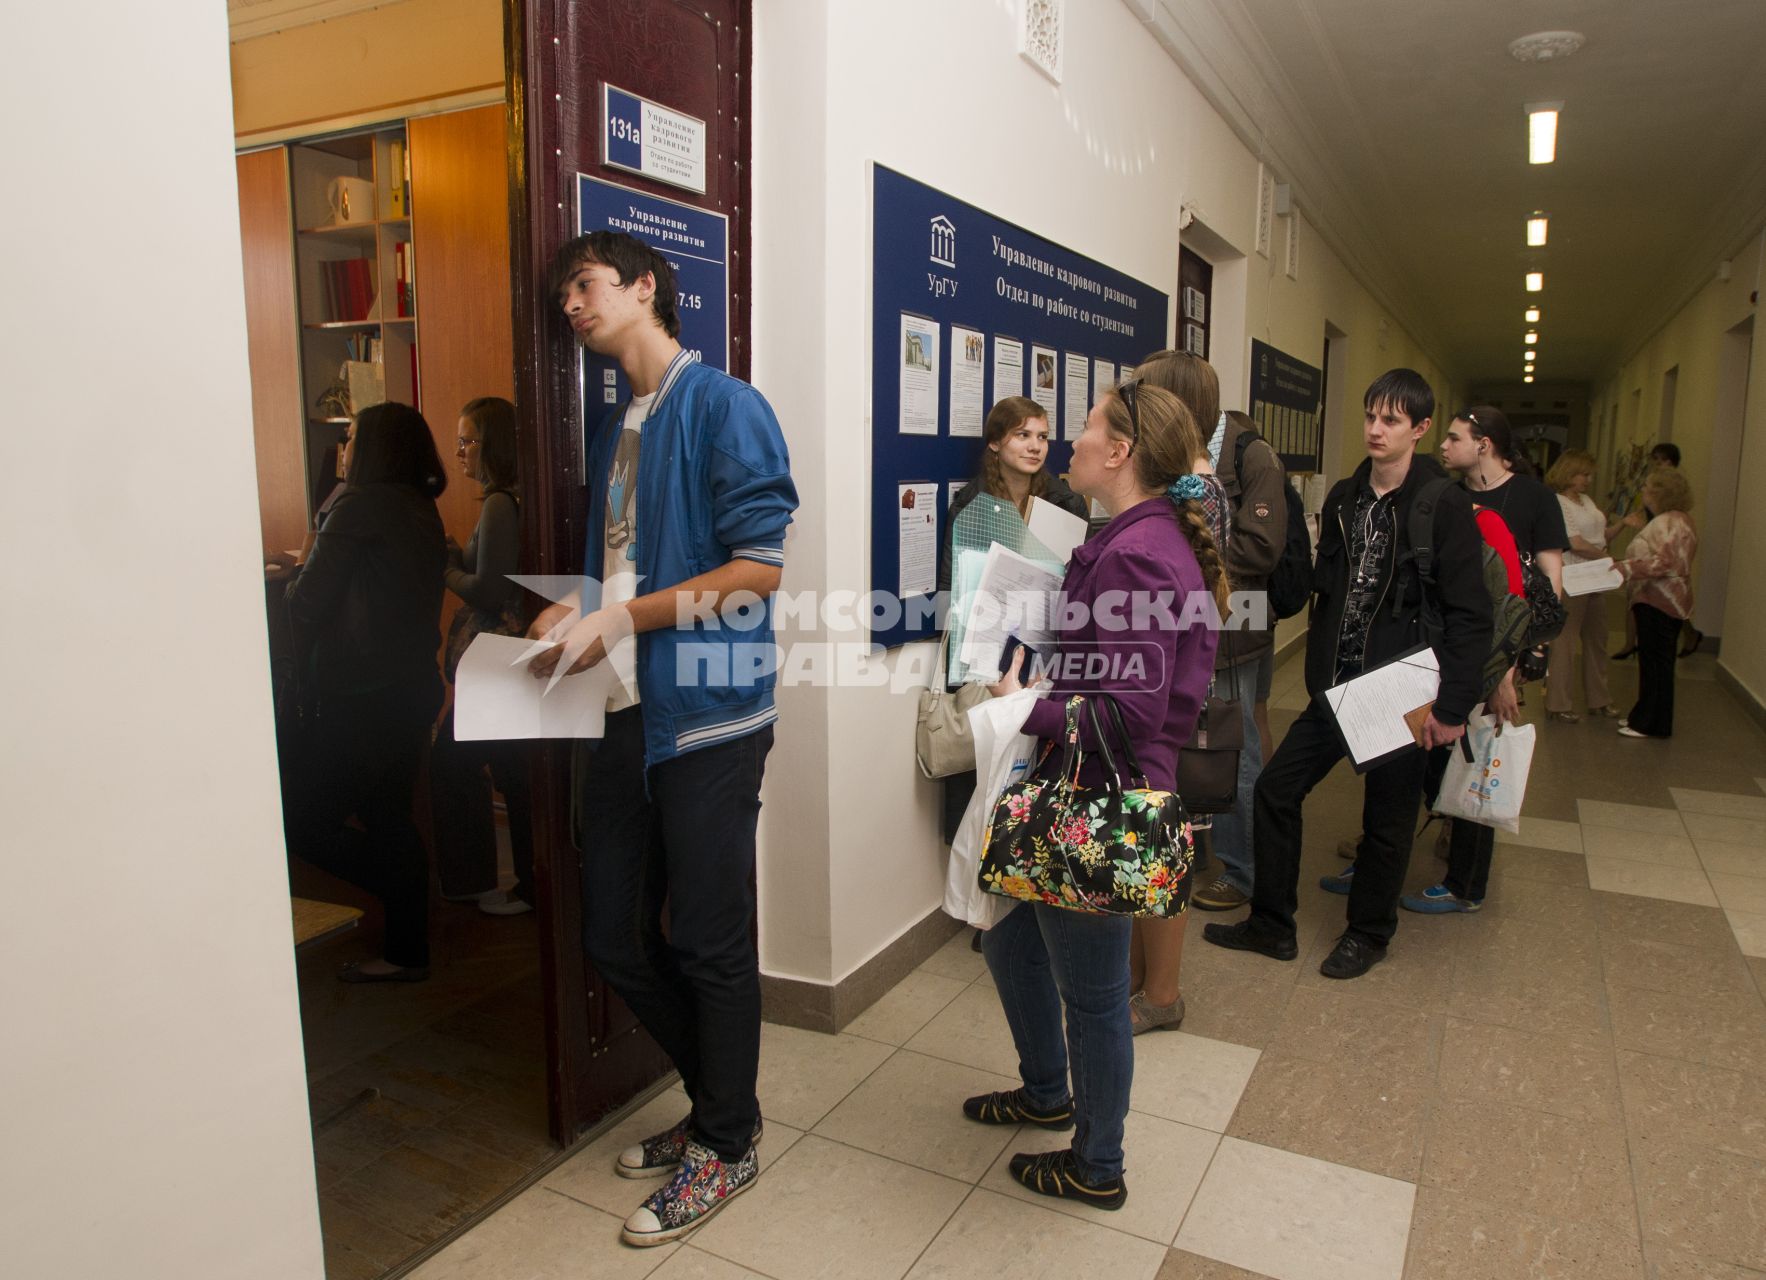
(1232, 831)
(1044, 958)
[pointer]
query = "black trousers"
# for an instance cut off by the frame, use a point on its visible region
(1657, 633)
(358, 756)
(460, 778)
(1470, 847)
(689, 842)
(1389, 806)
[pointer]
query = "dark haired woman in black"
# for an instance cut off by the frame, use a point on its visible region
(461, 773)
(365, 611)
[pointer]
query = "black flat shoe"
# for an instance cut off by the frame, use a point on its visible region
(1624, 654)
(1351, 958)
(353, 972)
(1242, 937)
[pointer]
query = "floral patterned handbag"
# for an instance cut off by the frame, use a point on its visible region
(1116, 850)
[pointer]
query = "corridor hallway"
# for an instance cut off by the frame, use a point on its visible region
(1569, 1085)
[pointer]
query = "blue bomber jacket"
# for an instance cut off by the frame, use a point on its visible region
(714, 485)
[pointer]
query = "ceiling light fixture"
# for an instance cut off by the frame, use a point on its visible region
(1542, 132)
(1526, 368)
(1535, 281)
(1531, 338)
(1527, 378)
(1536, 226)
(1532, 316)
(1544, 46)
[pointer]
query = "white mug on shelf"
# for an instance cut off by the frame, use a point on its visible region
(351, 200)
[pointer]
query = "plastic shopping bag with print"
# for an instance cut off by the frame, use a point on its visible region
(1003, 755)
(1486, 777)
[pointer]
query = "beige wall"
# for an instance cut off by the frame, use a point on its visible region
(850, 853)
(1724, 480)
(380, 62)
(152, 1084)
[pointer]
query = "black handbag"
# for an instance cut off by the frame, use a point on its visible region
(1208, 765)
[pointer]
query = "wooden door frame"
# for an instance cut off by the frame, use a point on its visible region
(554, 121)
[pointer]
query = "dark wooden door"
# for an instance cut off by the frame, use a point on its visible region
(693, 58)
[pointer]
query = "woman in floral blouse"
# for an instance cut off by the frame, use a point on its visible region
(1658, 577)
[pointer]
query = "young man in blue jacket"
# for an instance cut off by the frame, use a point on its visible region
(689, 496)
(1369, 608)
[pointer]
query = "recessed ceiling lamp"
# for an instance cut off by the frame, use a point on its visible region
(1526, 368)
(1536, 226)
(1535, 281)
(1542, 132)
(1545, 46)
(1529, 354)
(1532, 337)
(1532, 316)
(1527, 378)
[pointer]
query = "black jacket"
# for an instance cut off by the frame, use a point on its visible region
(1057, 492)
(366, 608)
(1397, 624)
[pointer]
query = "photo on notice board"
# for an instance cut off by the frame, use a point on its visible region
(1042, 381)
(968, 381)
(919, 376)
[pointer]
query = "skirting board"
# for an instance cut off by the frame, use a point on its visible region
(817, 1006)
(1743, 695)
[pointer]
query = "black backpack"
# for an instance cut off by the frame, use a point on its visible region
(1290, 582)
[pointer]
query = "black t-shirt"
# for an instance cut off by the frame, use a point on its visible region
(1531, 511)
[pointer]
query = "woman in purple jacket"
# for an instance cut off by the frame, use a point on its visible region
(1142, 598)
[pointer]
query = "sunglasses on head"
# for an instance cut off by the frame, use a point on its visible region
(1129, 393)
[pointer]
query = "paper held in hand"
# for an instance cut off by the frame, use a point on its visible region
(1591, 576)
(496, 697)
(1373, 709)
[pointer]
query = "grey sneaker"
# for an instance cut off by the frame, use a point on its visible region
(1222, 895)
(1143, 1015)
(703, 1185)
(660, 1154)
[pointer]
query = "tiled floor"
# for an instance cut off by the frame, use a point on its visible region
(1569, 1085)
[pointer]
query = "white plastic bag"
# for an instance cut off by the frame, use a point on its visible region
(1490, 787)
(1003, 754)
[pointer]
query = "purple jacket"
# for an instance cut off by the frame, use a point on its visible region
(1133, 578)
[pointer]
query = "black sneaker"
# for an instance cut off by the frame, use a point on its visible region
(1243, 936)
(1009, 1107)
(1351, 958)
(1056, 1173)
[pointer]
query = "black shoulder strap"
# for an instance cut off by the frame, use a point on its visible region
(1422, 525)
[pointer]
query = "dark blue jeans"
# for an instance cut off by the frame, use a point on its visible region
(688, 843)
(1233, 832)
(1044, 959)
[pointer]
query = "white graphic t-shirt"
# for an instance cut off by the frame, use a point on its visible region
(619, 559)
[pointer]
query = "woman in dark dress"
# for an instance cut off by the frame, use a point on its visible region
(365, 612)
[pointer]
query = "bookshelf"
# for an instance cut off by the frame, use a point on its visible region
(355, 271)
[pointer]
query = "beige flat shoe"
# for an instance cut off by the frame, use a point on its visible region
(1146, 1016)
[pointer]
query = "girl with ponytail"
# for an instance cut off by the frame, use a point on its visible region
(1143, 597)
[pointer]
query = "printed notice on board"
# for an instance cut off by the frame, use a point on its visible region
(919, 376)
(968, 381)
(1008, 368)
(1042, 379)
(917, 509)
(1077, 397)
(1103, 377)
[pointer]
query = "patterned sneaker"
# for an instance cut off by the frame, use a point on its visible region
(1056, 1173)
(660, 1154)
(1009, 1107)
(1340, 882)
(1438, 900)
(704, 1185)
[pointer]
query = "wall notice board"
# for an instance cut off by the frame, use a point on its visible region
(1287, 403)
(967, 309)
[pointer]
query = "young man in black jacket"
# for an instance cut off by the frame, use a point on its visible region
(1369, 610)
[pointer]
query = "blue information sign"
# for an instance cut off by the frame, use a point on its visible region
(696, 243)
(951, 287)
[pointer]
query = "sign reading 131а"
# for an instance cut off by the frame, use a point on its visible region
(645, 137)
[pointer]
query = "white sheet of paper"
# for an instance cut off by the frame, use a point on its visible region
(1018, 598)
(1103, 377)
(1370, 708)
(918, 354)
(1075, 395)
(1008, 367)
(1592, 576)
(1044, 374)
(1060, 531)
(495, 697)
(968, 378)
(916, 507)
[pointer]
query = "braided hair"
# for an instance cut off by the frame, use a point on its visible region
(1168, 448)
(1003, 419)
